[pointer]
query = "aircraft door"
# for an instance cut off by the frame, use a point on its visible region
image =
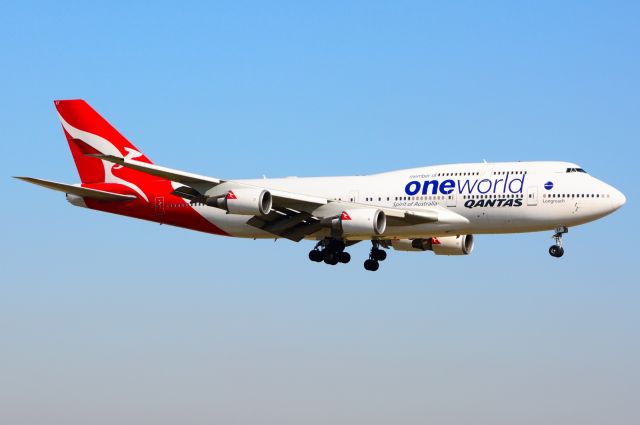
(451, 199)
(532, 195)
(353, 196)
(159, 206)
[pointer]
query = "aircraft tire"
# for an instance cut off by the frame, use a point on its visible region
(556, 251)
(379, 255)
(331, 259)
(371, 265)
(344, 257)
(315, 255)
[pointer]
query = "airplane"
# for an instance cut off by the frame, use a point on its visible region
(435, 208)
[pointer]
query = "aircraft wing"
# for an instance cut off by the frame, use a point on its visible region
(295, 224)
(156, 170)
(293, 215)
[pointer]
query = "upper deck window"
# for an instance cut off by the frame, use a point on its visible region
(575, 170)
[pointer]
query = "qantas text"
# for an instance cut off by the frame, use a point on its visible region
(503, 202)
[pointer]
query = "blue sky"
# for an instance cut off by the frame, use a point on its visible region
(101, 321)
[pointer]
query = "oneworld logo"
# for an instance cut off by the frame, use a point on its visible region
(482, 186)
(548, 185)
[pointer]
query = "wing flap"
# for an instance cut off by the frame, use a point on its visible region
(287, 223)
(85, 192)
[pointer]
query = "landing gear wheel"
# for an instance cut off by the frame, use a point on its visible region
(556, 251)
(330, 258)
(331, 251)
(315, 255)
(379, 254)
(371, 265)
(344, 257)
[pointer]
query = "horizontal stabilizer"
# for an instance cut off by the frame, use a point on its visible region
(158, 171)
(78, 190)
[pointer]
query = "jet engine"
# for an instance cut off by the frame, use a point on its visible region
(447, 245)
(361, 222)
(244, 201)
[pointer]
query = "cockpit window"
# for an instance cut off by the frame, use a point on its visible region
(575, 170)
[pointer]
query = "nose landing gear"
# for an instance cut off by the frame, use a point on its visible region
(557, 250)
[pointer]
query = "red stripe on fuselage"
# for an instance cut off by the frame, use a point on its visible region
(180, 214)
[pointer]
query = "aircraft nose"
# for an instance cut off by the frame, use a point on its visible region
(617, 199)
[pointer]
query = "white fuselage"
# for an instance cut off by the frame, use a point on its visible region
(508, 197)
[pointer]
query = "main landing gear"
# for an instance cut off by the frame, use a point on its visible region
(557, 250)
(377, 254)
(331, 251)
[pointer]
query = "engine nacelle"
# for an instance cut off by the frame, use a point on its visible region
(409, 244)
(361, 222)
(446, 245)
(244, 201)
(452, 245)
(76, 200)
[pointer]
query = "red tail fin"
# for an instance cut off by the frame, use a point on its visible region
(88, 132)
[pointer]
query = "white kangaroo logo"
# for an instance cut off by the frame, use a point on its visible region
(105, 147)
